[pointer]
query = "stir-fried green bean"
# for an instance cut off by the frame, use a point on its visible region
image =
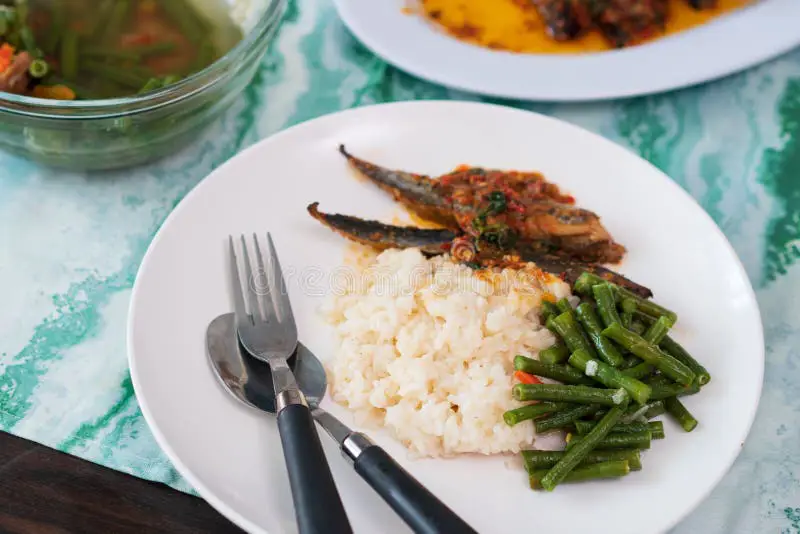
(610, 377)
(555, 354)
(562, 373)
(565, 393)
(587, 281)
(606, 304)
(628, 309)
(680, 413)
(532, 411)
(614, 469)
(536, 460)
(580, 451)
(657, 331)
(639, 371)
(565, 417)
(674, 349)
(623, 440)
(650, 353)
(567, 327)
(656, 428)
(563, 305)
(549, 309)
(661, 391)
(591, 324)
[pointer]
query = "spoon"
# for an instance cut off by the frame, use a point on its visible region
(249, 381)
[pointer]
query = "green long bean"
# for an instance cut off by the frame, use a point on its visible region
(563, 305)
(567, 327)
(630, 361)
(610, 377)
(654, 334)
(555, 354)
(652, 409)
(660, 391)
(656, 428)
(639, 371)
(69, 55)
(650, 353)
(606, 304)
(628, 309)
(638, 327)
(591, 324)
(585, 285)
(535, 460)
(655, 409)
(580, 451)
(680, 413)
(674, 349)
(564, 418)
(657, 331)
(624, 440)
(549, 309)
(562, 373)
(585, 282)
(532, 411)
(597, 471)
(564, 393)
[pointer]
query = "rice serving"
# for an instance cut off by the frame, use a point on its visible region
(425, 348)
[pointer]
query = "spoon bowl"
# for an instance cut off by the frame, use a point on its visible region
(249, 379)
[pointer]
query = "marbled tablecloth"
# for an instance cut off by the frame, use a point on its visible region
(71, 245)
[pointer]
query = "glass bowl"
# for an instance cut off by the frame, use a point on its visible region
(121, 132)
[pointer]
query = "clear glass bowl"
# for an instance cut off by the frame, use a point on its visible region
(121, 132)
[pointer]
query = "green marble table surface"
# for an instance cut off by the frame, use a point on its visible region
(71, 244)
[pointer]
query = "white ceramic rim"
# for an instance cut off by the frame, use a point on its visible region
(731, 43)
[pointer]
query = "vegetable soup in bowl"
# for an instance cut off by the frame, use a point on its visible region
(100, 84)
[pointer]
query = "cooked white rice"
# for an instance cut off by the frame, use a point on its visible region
(425, 347)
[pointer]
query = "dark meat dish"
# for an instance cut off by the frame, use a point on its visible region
(622, 22)
(433, 242)
(501, 208)
(491, 218)
(564, 19)
(628, 22)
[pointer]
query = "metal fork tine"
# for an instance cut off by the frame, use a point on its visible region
(281, 298)
(236, 287)
(249, 290)
(267, 292)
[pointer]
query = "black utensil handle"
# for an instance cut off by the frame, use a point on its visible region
(418, 507)
(317, 504)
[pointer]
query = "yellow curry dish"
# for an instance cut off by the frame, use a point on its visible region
(570, 26)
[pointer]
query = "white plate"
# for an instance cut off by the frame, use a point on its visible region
(233, 455)
(725, 45)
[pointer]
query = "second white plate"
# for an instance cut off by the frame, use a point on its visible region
(233, 456)
(726, 45)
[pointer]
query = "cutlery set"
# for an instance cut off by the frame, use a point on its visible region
(257, 357)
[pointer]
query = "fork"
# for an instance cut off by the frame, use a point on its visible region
(267, 329)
